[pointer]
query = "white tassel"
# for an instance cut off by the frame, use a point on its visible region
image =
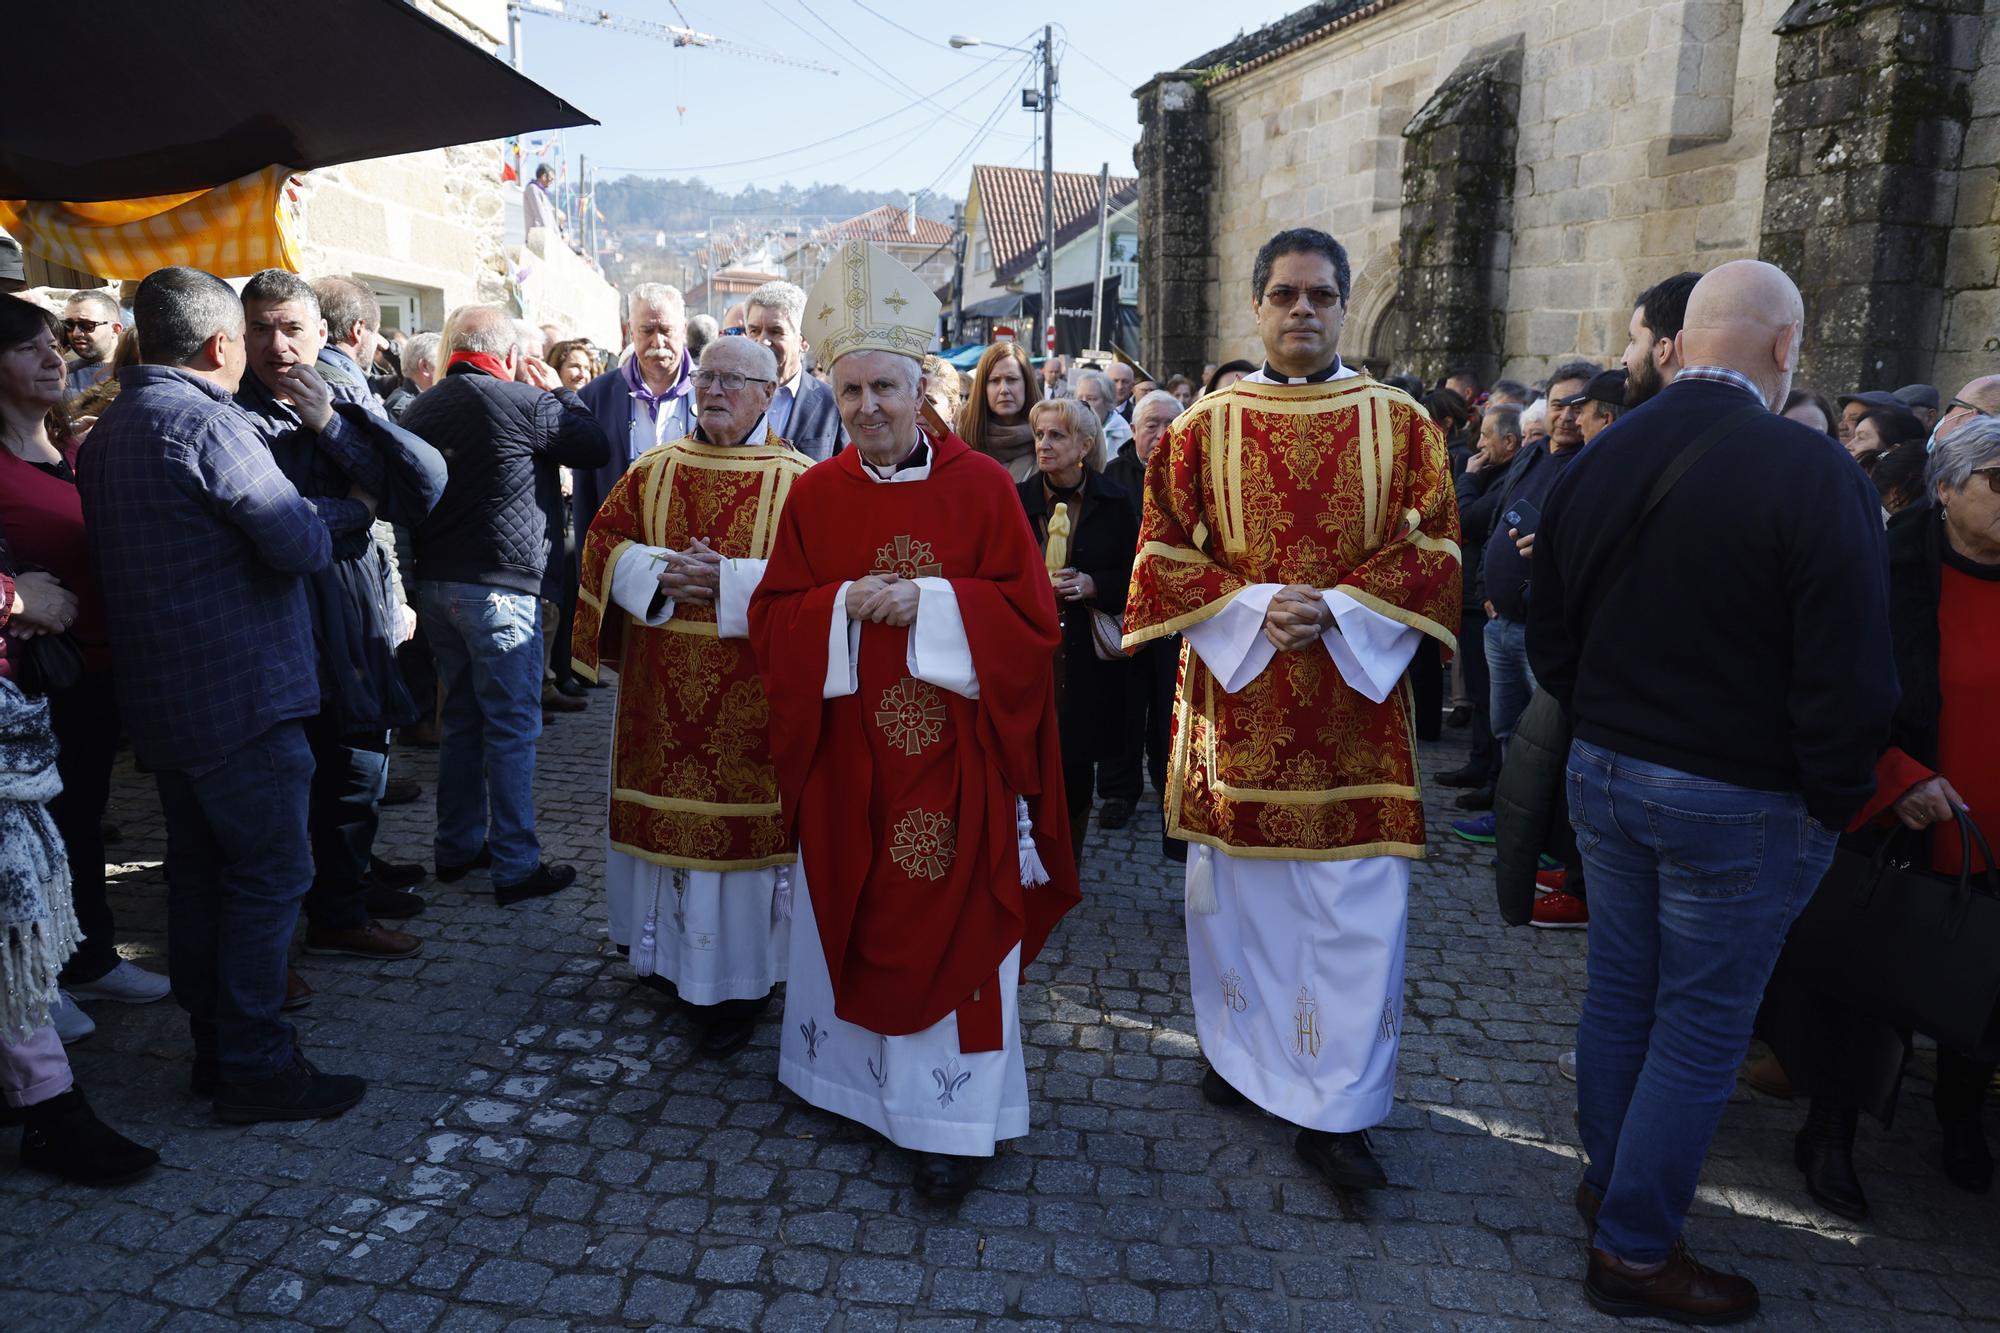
(781, 897)
(1033, 872)
(1201, 884)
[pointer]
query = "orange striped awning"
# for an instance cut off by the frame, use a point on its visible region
(231, 230)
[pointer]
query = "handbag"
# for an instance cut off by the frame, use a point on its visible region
(47, 663)
(1907, 944)
(1107, 636)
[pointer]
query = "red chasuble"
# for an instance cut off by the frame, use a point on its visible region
(1341, 485)
(902, 795)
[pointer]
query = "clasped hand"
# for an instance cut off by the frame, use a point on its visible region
(1072, 585)
(693, 575)
(1296, 618)
(883, 599)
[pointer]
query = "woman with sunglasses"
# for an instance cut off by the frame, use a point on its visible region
(1944, 612)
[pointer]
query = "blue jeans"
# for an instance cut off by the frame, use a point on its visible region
(1693, 885)
(349, 775)
(1512, 681)
(238, 862)
(488, 647)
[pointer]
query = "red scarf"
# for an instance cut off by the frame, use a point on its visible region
(486, 361)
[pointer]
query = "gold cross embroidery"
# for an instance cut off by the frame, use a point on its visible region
(825, 313)
(896, 300)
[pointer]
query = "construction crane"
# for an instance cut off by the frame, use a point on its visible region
(677, 34)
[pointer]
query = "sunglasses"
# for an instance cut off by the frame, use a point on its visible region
(84, 325)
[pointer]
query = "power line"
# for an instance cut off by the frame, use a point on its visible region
(980, 135)
(928, 41)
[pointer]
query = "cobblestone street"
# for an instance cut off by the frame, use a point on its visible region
(540, 1148)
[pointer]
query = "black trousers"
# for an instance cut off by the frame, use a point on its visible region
(1472, 656)
(1427, 689)
(1078, 776)
(85, 720)
(344, 810)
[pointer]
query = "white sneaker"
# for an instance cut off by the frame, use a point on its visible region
(72, 1024)
(127, 983)
(1566, 1065)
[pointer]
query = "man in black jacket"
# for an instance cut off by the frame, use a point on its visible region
(1480, 488)
(1731, 685)
(480, 557)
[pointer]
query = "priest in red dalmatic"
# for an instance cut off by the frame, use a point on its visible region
(906, 633)
(1300, 534)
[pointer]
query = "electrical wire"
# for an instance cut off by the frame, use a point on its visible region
(979, 137)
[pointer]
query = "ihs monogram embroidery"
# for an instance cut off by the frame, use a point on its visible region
(907, 558)
(923, 844)
(1232, 992)
(949, 1080)
(911, 714)
(1305, 1025)
(1387, 1032)
(813, 1036)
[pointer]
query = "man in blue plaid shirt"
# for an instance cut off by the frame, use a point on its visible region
(201, 547)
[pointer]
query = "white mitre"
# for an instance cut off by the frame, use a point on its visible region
(866, 301)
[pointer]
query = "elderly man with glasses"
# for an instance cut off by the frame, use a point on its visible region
(91, 324)
(699, 860)
(1979, 398)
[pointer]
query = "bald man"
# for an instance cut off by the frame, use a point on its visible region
(1711, 608)
(1979, 398)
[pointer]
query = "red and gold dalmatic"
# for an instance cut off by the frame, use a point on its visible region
(692, 783)
(1340, 485)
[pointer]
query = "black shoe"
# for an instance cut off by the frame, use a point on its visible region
(1460, 716)
(297, 1092)
(730, 1025)
(1824, 1150)
(1116, 812)
(396, 874)
(1219, 1091)
(1469, 776)
(571, 686)
(1476, 800)
(543, 881)
(662, 985)
(1345, 1160)
(453, 874)
(945, 1179)
(1968, 1161)
(390, 904)
(401, 791)
(64, 1137)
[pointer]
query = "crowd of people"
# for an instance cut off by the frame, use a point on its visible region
(888, 638)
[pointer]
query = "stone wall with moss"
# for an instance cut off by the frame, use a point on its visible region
(1176, 277)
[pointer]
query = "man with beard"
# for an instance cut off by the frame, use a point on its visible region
(1652, 354)
(91, 324)
(643, 402)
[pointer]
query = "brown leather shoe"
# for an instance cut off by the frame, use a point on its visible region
(297, 993)
(555, 701)
(1682, 1290)
(1767, 1076)
(373, 940)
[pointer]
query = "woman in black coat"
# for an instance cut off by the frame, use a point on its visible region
(1091, 697)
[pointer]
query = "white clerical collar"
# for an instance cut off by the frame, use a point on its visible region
(916, 465)
(1337, 371)
(758, 433)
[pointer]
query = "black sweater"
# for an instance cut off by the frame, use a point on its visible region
(1748, 641)
(496, 435)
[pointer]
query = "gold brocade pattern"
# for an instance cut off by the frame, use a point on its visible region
(912, 715)
(907, 558)
(1342, 486)
(693, 785)
(923, 844)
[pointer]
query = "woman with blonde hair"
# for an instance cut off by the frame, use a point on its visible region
(994, 420)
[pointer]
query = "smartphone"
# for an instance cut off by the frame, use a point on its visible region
(1522, 517)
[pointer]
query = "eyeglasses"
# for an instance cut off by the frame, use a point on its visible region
(84, 325)
(1960, 405)
(1992, 475)
(726, 380)
(1323, 298)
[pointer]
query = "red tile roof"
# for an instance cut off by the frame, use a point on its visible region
(1010, 199)
(890, 225)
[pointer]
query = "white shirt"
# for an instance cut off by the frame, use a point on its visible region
(784, 400)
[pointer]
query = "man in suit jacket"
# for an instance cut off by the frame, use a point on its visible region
(803, 411)
(643, 402)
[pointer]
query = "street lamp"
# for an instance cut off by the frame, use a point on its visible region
(1046, 48)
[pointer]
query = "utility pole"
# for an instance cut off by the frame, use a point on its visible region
(958, 275)
(1048, 189)
(1097, 291)
(514, 35)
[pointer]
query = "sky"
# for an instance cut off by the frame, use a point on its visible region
(905, 112)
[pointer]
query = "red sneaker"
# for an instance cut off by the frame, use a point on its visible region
(1557, 910)
(1550, 881)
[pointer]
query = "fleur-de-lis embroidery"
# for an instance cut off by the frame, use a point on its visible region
(814, 1038)
(949, 1080)
(1233, 996)
(1305, 1025)
(878, 1064)
(1387, 1031)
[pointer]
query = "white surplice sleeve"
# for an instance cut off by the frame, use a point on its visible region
(740, 578)
(938, 652)
(843, 649)
(1370, 650)
(635, 585)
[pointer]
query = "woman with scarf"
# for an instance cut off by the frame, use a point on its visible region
(994, 420)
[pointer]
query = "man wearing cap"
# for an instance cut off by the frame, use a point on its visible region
(698, 851)
(1854, 406)
(1599, 404)
(906, 632)
(1920, 401)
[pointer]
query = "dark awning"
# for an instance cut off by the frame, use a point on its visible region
(1004, 306)
(133, 98)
